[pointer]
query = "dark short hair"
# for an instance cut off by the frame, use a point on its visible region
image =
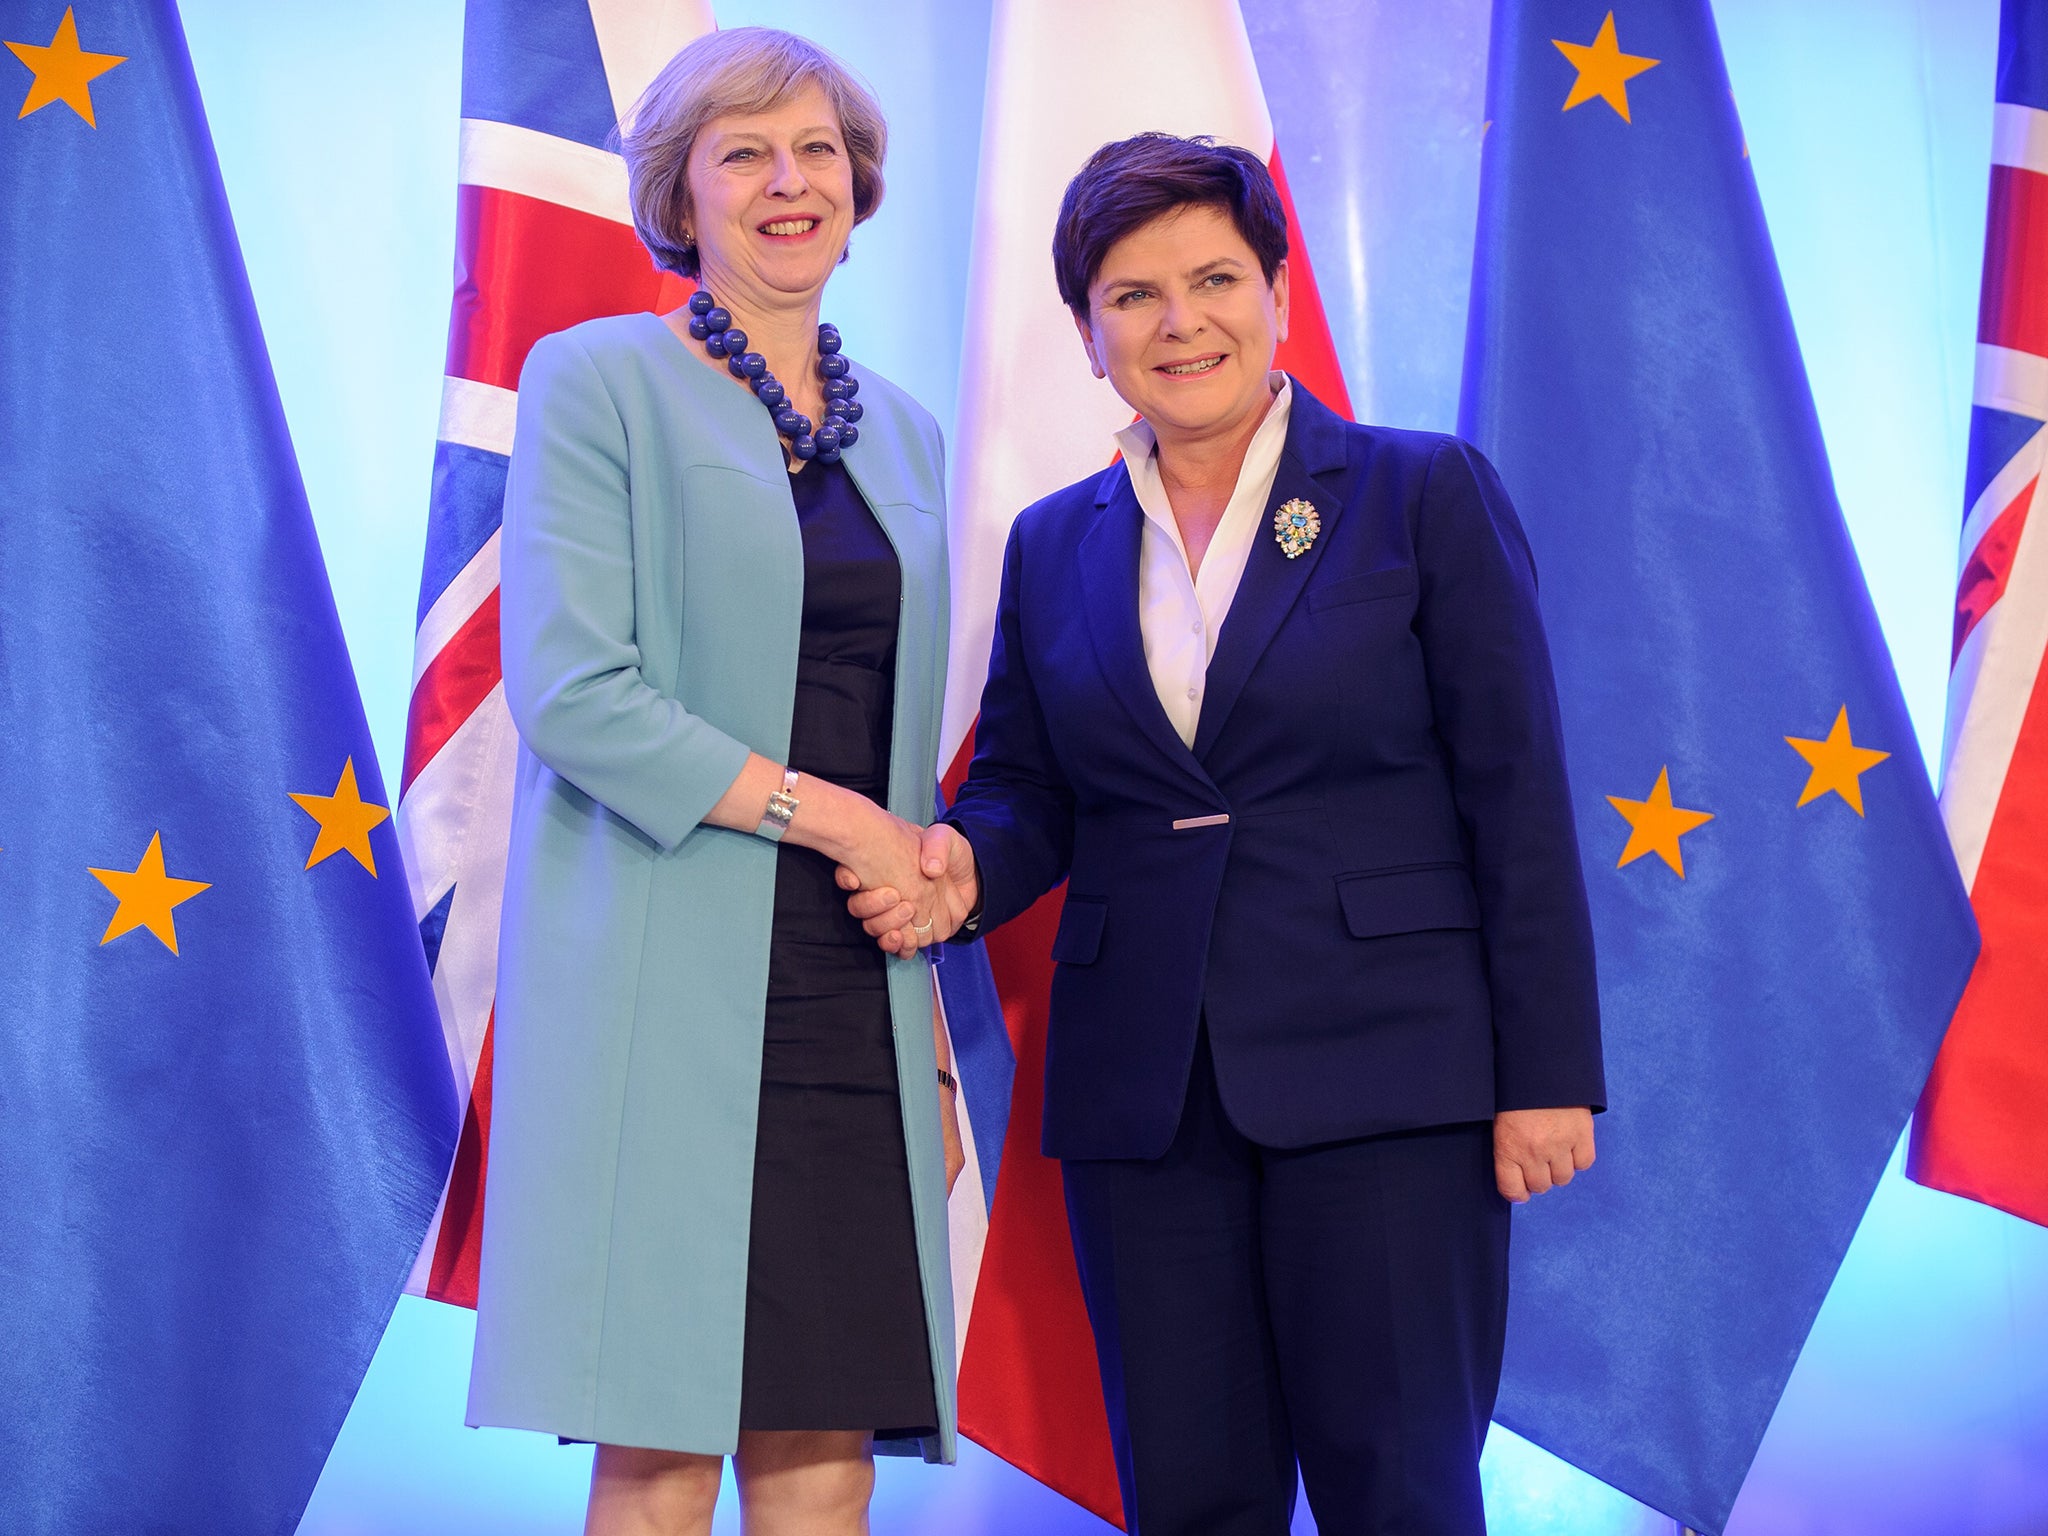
(1126, 185)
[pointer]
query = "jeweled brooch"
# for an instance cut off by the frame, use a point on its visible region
(1296, 525)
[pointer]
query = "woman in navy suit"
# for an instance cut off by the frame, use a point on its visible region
(1271, 694)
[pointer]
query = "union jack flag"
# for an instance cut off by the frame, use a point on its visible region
(1980, 1130)
(543, 240)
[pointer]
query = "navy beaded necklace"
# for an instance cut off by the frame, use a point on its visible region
(712, 324)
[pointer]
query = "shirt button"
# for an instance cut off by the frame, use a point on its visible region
(1196, 626)
(1191, 693)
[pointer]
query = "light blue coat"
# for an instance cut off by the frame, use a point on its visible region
(652, 598)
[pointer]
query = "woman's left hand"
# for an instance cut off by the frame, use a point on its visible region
(949, 1133)
(1535, 1150)
(949, 1095)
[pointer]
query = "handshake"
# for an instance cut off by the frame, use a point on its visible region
(910, 887)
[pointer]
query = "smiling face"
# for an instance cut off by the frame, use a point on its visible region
(771, 200)
(1183, 324)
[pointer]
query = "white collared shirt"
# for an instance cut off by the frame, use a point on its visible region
(1181, 614)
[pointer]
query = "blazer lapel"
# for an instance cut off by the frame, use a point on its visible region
(1108, 555)
(1271, 582)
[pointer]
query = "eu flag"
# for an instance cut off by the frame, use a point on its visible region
(225, 1108)
(1782, 933)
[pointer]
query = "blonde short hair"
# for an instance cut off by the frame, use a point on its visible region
(745, 69)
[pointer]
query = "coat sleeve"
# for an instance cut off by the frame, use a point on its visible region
(572, 662)
(1016, 809)
(1495, 702)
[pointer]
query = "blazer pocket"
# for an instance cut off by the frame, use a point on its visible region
(1423, 896)
(1079, 939)
(1396, 581)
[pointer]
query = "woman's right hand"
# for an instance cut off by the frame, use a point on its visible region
(880, 848)
(871, 847)
(905, 918)
(884, 854)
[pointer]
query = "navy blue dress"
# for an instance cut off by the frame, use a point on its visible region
(835, 1335)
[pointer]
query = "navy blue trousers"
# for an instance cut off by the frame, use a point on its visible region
(1339, 1308)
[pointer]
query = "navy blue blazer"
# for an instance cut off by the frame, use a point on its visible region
(1364, 873)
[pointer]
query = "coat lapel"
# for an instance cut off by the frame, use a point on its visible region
(877, 466)
(1108, 555)
(879, 470)
(1272, 583)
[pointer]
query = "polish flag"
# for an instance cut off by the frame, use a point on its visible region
(1065, 77)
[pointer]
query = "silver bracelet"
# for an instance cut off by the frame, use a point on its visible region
(781, 807)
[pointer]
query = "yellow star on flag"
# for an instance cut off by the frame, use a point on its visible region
(64, 72)
(146, 896)
(1656, 825)
(345, 820)
(1604, 70)
(1837, 764)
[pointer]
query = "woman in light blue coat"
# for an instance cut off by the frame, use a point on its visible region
(723, 1129)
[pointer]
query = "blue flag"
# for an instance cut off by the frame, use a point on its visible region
(225, 1107)
(1782, 933)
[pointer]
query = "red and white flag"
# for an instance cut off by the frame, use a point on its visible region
(1065, 77)
(544, 240)
(1982, 1126)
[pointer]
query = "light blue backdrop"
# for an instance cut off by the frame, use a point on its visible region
(1920, 1408)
